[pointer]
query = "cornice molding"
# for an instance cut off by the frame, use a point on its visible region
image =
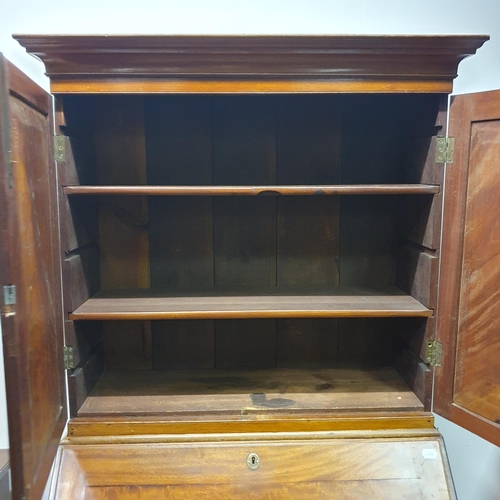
(423, 59)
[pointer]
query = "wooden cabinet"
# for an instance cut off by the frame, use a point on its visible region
(256, 286)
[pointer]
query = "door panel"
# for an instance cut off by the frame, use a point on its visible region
(477, 374)
(468, 382)
(29, 252)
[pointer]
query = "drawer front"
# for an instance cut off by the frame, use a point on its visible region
(327, 468)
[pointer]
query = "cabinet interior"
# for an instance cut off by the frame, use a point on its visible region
(378, 249)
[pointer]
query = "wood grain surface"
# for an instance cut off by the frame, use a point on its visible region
(268, 391)
(309, 190)
(336, 302)
(467, 382)
(32, 327)
(150, 428)
(344, 469)
(251, 63)
(477, 375)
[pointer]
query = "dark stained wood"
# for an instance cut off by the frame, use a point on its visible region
(245, 344)
(309, 190)
(251, 63)
(121, 159)
(79, 222)
(29, 255)
(127, 345)
(416, 374)
(366, 342)
(410, 345)
(80, 276)
(244, 133)
(416, 274)
(467, 382)
(418, 231)
(181, 243)
(306, 343)
(183, 345)
(75, 122)
(236, 391)
(309, 150)
(372, 149)
(419, 220)
(123, 236)
(244, 242)
(429, 117)
(83, 337)
(83, 379)
(337, 302)
(179, 152)
(78, 217)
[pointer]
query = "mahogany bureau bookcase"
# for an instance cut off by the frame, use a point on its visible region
(230, 249)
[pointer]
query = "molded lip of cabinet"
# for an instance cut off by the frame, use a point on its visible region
(285, 64)
(306, 425)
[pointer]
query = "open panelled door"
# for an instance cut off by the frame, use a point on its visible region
(31, 281)
(467, 389)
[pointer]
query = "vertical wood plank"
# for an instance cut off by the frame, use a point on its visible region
(373, 145)
(309, 152)
(123, 221)
(242, 344)
(306, 343)
(244, 153)
(179, 151)
(366, 342)
(183, 345)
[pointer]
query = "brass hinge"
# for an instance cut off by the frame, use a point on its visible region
(445, 149)
(69, 358)
(9, 300)
(433, 353)
(59, 148)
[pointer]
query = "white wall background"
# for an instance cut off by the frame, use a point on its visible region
(475, 463)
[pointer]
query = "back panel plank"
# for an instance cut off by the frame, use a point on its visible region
(179, 152)
(309, 152)
(372, 149)
(244, 153)
(123, 221)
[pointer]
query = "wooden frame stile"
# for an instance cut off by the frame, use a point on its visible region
(32, 322)
(467, 318)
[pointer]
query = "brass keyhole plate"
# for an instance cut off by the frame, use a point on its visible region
(253, 461)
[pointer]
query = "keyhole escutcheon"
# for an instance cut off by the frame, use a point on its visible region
(253, 461)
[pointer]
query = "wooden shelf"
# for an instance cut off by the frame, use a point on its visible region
(336, 302)
(353, 189)
(257, 391)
